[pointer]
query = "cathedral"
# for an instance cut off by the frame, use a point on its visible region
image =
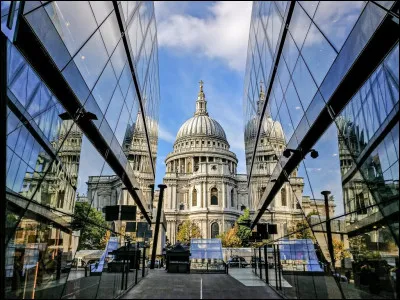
(205, 188)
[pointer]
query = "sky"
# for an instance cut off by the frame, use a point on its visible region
(208, 41)
(201, 41)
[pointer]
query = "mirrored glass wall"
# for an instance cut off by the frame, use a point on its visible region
(321, 100)
(82, 129)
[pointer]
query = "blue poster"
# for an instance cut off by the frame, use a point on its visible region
(111, 246)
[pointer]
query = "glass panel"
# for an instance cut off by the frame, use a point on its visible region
(336, 20)
(91, 59)
(110, 33)
(114, 110)
(101, 10)
(304, 83)
(105, 87)
(41, 23)
(299, 25)
(68, 18)
(318, 54)
(309, 7)
(290, 53)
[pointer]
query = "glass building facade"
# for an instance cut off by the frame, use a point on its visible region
(81, 77)
(324, 75)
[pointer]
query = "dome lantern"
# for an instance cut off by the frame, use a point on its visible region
(201, 125)
(201, 103)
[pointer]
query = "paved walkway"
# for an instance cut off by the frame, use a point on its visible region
(248, 278)
(162, 285)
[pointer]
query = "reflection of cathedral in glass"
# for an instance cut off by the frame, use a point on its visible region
(203, 184)
(285, 209)
(356, 195)
(58, 187)
(366, 192)
(107, 190)
(368, 150)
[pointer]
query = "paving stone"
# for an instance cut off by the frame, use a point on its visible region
(162, 285)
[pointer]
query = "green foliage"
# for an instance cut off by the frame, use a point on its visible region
(244, 232)
(339, 251)
(230, 238)
(187, 231)
(312, 213)
(302, 230)
(359, 249)
(92, 236)
(11, 220)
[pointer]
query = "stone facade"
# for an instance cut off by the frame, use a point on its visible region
(108, 190)
(203, 184)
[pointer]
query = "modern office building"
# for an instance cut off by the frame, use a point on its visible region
(331, 81)
(77, 78)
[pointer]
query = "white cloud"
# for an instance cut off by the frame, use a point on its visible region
(313, 169)
(165, 135)
(223, 35)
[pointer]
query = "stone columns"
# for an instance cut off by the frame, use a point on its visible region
(201, 194)
(205, 194)
(223, 202)
(174, 196)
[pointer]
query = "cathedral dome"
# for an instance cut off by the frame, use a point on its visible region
(270, 128)
(201, 125)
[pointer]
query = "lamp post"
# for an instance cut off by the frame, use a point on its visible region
(155, 239)
(328, 227)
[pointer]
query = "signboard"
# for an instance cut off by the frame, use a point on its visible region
(111, 212)
(142, 227)
(128, 212)
(31, 256)
(111, 246)
(130, 227)
(148, 234)
(144, 230)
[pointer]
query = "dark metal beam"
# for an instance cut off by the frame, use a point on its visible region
(33, 50)
(135, 81)
(380, 44)
(272, 79)
(3, 158)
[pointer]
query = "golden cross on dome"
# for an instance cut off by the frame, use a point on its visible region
(201, 85)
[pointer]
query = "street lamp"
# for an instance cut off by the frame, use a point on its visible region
(87, 116)
(287, 152)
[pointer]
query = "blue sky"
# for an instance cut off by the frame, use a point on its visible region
(208, 41)
(201, 41)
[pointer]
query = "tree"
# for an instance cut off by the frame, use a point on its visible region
(187, 231)
(302, 230)
(244, 232)
(104, 239)
(339, 251)
(312, 213)
(230, 238)
(359, 249)
(85, 218)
